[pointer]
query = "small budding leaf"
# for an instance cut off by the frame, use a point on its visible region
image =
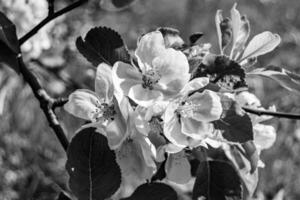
(9, 44)
(102, 44)
(235, 125)
(222, 71)
(94, 172)
(261, 44)
(195, 37)
(217, 180)
(153, 191)
(285, 78)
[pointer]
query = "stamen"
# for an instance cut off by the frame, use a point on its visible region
(150, 78)
(104, 112)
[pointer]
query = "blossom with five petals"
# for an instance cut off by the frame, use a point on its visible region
(187, 119)
(163, 72)
(101, 107)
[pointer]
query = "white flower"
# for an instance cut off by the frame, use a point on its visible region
(164, 72)
(101, 108)
(187, 119)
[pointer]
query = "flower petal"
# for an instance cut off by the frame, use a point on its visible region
(209, 107)
(178, 168)
(197, 130)
(194, 85)
(264, 136)
(124, 77)
(173, 68)
(131, 158)
(248, 99)
(172, 128)
(116, 132)
(82, 103)
(150, 46)
(142, 96)
(103, 83)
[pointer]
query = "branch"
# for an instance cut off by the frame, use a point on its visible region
(50, 17)
(271, 113)
(46, 103)
(50, 7)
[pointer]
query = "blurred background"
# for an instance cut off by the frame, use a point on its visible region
(31, 159)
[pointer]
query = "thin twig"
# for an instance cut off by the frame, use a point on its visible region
(272, 113)
(59, 102)
(50, 7)
(50, 18)
(46, 103)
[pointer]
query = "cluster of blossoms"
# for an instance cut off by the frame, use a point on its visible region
(26, 14)
(154, 110)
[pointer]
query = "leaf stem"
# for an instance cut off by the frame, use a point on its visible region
(49, 18)
(46, 103)
(272, 113)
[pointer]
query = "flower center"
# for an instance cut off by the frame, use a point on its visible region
(150, 78)
(156, 125)
(104, 112)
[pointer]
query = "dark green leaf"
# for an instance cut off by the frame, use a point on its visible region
(9, 45)
(153, 191)
(217, 180)
(102, 44)
(94, 173)
(235, 124)
(222, 71)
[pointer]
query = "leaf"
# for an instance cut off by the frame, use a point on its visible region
(222, 71)
(218, 20)
(102, 44)
(195, 37)
(226, 30)
(243, 35)
(261, 44)
(217, 180)
(235, 125)
(9, 44)
(94, 172)
(153, 191)
(243, 166)
(236, 22)
(285, 78)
